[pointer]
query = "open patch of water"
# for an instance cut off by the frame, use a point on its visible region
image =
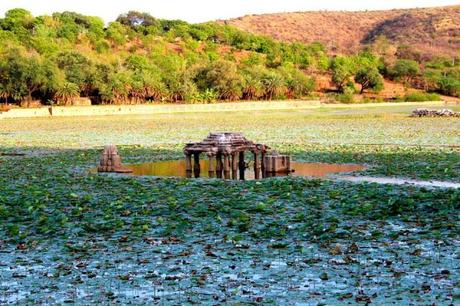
(398, 181)
(176, 168)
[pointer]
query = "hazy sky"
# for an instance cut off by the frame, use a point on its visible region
(204, 10)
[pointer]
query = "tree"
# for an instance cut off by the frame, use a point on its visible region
(405, 70)
(71, 24)
(343, 69)
(223, 77)
(65, 92)
(77, 69)
(274, 85)
(140, 22)
(116, 32)
(18, 21)
(383, 48)
(95, 26)
(139, 57)
(274, 54)
(449, 85)
(169, 25)
(4, 92)
(117, 88)
(44, 40)
(26, 74)
(369, 78)
(253, 88)
(298, 85)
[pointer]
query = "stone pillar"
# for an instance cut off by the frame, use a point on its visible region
(196, 165)
(241, 165)
(234, 166)
(288, 163)
(262, 159)
(219, 165)
(188, 164)
(256, 166)
(226, 166)
(211, 171)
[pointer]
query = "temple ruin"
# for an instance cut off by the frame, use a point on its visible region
(226, 155)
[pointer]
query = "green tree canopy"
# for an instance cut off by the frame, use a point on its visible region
(24, 74)
(405, 70)
(369, 78)
(343, 69)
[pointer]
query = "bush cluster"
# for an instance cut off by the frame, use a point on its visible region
(140, 58)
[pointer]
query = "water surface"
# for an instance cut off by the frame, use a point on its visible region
(176, 168)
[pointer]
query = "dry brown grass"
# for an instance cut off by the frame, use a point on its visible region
(431, 31)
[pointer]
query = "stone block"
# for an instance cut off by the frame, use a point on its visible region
(276, 163)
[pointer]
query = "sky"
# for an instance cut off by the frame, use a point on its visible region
(205, 10)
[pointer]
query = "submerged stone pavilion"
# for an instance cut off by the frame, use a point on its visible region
(226, 153)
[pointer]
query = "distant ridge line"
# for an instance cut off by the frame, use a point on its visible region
(431, 31)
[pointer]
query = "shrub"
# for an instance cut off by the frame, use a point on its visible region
(341, 98)
(449, 86)
(298, 85)
(372, 100)
(206, 96)
(345, 98)
(421, 97)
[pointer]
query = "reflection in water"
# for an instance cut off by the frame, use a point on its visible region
(177, 168)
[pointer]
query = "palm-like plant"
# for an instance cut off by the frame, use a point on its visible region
(274, 85)
(4, 92)
(252, 88)
(154, 88)
(66, 92)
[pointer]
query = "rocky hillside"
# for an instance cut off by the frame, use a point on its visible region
(430, 31)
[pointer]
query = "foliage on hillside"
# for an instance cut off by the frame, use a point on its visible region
(138, 58)
(418, 47)
(429, 31)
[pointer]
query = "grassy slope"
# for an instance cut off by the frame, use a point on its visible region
(431, 30)
(216, 241)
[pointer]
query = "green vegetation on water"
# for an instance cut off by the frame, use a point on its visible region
(174, 241)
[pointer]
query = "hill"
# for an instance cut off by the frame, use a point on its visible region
(69, 58)
(430, 31)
